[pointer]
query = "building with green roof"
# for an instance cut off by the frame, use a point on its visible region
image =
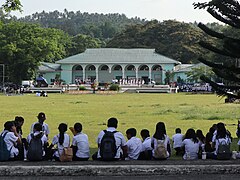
(105, 64)
(180, 71)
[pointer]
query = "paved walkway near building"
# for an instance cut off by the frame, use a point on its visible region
(120, 168)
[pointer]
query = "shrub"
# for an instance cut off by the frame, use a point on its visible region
(82, 88)
(114, 87)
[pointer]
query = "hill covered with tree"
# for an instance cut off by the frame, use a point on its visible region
(102, 26)
(177, 40)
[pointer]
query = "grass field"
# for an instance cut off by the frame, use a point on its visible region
(132, 110)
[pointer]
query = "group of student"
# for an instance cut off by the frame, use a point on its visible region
(111, 143)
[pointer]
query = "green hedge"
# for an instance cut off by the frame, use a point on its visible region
(114, 87)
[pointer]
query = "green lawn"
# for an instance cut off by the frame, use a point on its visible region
(132, 110)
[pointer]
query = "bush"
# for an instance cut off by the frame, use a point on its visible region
(82, 88)
(114, 87)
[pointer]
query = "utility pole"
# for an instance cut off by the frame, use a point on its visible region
(3, 76)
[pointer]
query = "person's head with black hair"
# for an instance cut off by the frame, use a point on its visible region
(200, 135)
(178, 130)
(37, 127)
(160, 131)
(112, 122)
(62, 129)
(131, 132)
(41, 117)
(221, 131)
(144, 134)
(78, 127)
(19, 120)
(191, 134)
(9, 125)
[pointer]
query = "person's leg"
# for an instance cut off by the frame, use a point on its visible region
(75, 158)
(94, 156)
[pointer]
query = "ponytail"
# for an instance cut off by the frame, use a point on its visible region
(62, 129)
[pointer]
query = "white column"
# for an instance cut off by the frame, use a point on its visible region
(110, 68)
(96, 74)
(150, 73)
(84, 72)
(123, 72)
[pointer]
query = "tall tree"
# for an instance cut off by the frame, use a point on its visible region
(174, 39)
(81, 42)
(228, 12)
(23, 46)
(12, 5)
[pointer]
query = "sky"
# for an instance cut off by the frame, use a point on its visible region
(181, 10)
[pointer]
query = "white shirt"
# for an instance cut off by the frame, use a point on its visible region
(239, 139)
(191, 149)
(66, 143)
(134, 147)
(177, 140)
(166, 142)
(217, 141)
(120, 141)
(11, 140)
(81, 141)
(44, 126)
(43, 138)
(146, 145)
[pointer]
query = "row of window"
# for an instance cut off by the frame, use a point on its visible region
(117, 68)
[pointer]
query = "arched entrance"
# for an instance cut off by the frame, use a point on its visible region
(157, 73)
(77, 74)
(90, 71)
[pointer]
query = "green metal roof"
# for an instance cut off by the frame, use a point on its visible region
(118, 56)
(49, 67)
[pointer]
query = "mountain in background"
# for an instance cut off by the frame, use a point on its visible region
(174, 39)
(102, 26)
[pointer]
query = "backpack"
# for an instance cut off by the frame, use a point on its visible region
(224, 152)
(160, 152)
(108, 149)
(238, 129)
(35, 149)
(66, 155)
(4, 152)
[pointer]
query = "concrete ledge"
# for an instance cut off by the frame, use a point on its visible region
(117, 170)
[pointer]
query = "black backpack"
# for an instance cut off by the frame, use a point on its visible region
(35, 149)
(224, 152)
(4, 152)
(108, 149)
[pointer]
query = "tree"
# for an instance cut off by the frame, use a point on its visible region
(173, 39)
(226, 11)
(12, 5)
(169, 77)
(195, 74)
(81, 42)
(24, 46)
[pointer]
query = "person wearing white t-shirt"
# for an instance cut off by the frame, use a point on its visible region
(160, 135)
(134, 145)
(119, 138)
(41, 118)
(221, 136)
(62, 140)
(146, 153)
(38, 133)
(177, 141)
(80, 144)
(191, 145)
(11, 139)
